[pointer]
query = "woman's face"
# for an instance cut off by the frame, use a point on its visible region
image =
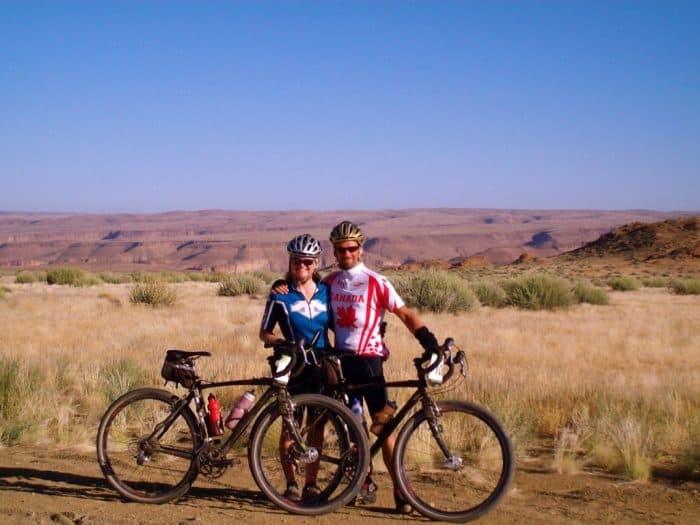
(302, 268)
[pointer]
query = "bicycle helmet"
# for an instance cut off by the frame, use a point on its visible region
(346, 231)
(304, 245)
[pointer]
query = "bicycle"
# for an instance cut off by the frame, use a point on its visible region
(152, 443)
(453, 460)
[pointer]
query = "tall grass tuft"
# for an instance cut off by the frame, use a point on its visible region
(686, 286)
(624, 444)
(240, 284)
(436, 291)
(71, 276)
(538, 292)
(585, 292)
(26, 277)
(624, 284)
(489, 293)
(122, 376)
(19, 387)
(153, 292)
(4, 291)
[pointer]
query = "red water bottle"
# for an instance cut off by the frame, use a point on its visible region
(214, 423)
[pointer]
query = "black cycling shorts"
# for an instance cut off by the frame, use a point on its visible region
(307, 382)
(359, 370)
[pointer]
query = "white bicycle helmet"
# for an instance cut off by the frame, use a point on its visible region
(304, 245)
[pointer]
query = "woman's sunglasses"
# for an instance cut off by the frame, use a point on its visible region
(305, 262)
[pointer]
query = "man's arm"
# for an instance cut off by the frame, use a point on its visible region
(414, 324)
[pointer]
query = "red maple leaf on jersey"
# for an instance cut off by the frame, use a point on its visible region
(346, 317)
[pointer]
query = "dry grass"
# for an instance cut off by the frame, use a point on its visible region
(615, 386)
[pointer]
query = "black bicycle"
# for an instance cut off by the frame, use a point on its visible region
(453, 460)
(152, 444)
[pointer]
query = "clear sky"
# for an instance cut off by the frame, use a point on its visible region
(157, 106)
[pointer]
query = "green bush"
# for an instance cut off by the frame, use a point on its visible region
(489, 293)
(240, 284)
(26, 277)
(115, 278)
(195, 276)
(655, 282)
(71, 276)
(538, 292)
(436, 291)
(585, 292)
(624, 284)
(153, 292)
(172, 277)
(686, 286)
(3, 291)
(265, 276)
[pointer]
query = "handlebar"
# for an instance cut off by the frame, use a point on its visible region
(295, 351)
(444, 356)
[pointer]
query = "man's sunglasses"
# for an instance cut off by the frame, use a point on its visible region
(350, 249)
(305, 262)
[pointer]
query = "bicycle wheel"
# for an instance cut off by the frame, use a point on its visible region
(141, 460)
(471, 480)
(333, 431)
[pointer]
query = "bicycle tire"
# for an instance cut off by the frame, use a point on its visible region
(343, 463)
(139, 469)
(466, 488)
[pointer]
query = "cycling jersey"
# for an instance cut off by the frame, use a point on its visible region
(298, 318)
(359, 297)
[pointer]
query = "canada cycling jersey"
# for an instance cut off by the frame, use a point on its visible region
(359, 297)
(297, 317)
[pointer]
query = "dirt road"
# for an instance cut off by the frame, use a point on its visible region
(49, 485)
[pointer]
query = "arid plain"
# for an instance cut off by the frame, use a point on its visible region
(601, 399)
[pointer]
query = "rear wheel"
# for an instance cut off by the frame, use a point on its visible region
(470, 480)
(146, 455)
(327, 428)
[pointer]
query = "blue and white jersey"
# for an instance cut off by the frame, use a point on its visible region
(297, 317)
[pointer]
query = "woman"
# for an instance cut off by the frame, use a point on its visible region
(302, 313)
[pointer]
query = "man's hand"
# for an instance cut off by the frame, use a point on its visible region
(280, 286)
(428, 341)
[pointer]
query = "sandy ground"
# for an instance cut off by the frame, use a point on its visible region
(65, 486)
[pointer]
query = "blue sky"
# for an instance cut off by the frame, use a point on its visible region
(157, 106)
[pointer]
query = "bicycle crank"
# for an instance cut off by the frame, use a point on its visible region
(212, 461)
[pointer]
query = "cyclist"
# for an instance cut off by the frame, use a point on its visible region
(359, 297)
(301, 314)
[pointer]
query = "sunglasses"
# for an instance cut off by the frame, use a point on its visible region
(349, 249)
(305, 262)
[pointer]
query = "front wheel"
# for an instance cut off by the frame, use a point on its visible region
(145, 450)
(458, 470)
(334, 455)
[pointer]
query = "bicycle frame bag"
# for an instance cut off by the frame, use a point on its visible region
(179, 368)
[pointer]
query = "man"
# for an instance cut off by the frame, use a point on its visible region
(359, 297)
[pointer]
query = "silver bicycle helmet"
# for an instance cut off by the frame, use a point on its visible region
(304, 245)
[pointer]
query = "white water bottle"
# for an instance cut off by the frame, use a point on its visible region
(239, 409)
(435, 375)
(356, 407)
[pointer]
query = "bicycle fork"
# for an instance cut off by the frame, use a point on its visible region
(300, 451)
(432, 415)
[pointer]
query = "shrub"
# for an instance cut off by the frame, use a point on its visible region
(3, 291)
(25, 277)
(489, 293)
(686, 286)
(436, 291)
(19, 388)
(172, 277)
(115, 278)
(538, 292)
(152, 292)
(71, 276)
(240, 284)
(584, 292)
(122, 376)
(655, 282)
(265, 276)
(624, 284)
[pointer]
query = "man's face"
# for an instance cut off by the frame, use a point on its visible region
(347, 253)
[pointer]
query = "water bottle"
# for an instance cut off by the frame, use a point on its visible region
(356, 407)
(214, 422)
(435, 375)
(239, 408)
